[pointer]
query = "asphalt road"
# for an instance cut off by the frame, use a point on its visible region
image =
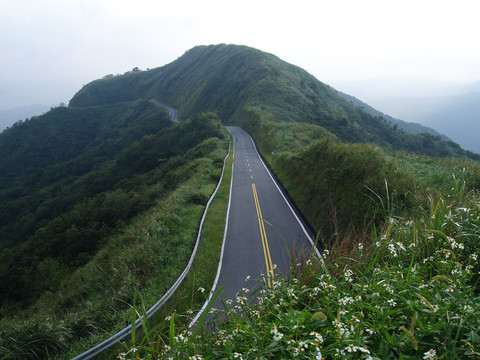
(171, 111)
(261, 223)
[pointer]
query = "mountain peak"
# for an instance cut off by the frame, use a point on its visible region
(229, 79)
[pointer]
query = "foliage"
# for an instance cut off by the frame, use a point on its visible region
(342, 182)
(52, 162)
(105, 199)
(411, 292)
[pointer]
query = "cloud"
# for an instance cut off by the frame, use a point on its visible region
(65, 44)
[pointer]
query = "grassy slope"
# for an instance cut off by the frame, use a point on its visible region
(144, 255)
(235, 80)
(410, 293)
(407, 290)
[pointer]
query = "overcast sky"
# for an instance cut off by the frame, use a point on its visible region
(368, 48)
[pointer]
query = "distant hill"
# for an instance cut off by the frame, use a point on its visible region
(231, 80)
(460, 118)
(457, 116)
(408, 126)
(10, 116)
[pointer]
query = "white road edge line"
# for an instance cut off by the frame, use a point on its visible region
(220, 263)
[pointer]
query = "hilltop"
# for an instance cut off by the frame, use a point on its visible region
(234, 80)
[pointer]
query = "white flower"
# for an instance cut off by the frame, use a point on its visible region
(392, 250)
(278, 336)
(392, 303)
(370, 331)
(238, 355)
(430, 354)
(241, 299)
(201, 289)
(435, 308)
(348, 275)
(346, 300)
(317, 336)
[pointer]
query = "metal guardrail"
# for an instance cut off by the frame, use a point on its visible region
(122, 334)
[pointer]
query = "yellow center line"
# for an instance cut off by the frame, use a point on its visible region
(263, 234)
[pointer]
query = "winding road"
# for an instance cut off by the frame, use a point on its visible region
(171, 111)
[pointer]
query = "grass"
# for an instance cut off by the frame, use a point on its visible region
(410, 291)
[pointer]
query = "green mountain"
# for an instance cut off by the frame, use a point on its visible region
(408, 126)
(233, 80)
(100, 200)
(65, 159)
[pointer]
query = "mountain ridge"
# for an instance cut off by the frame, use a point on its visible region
(229, 79)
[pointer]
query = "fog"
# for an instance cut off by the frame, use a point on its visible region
(375, 50)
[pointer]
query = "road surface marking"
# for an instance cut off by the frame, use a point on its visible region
(263, 234)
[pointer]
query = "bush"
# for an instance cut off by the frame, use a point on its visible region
(344, 186)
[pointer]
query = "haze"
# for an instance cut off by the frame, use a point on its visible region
(375, 50)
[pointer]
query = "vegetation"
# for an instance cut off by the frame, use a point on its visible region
(100, 204)
(410, 291)
(82, 292)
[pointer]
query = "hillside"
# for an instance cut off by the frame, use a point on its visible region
(100, 200)
(73, 176)
(232, 80)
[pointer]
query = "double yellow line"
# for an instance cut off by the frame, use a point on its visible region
(263, 234)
